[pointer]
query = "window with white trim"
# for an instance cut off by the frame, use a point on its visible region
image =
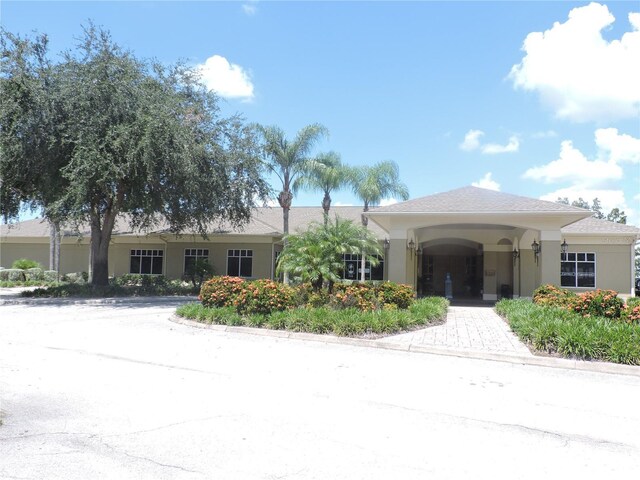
(353, 267)
(146, 262)
(240, 263)
(191, 255)
(578, 270)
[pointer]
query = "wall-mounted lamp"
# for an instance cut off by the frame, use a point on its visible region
(516, 254)
(419, 250)
(537, 248)
(411, 246)
(564, 247)
(386, 243)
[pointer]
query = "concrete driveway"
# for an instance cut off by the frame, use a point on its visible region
(119, 392)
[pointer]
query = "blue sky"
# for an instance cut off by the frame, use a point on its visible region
(448, 90)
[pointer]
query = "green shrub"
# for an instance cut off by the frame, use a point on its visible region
(12, 275)
(567, 333)
(34, 274)
(78, 278)
(50, 276)
(601, 303)
(263, 297)
(553, 296)
(138, 280)
(221, 291)
(25, 264)
(631, 313)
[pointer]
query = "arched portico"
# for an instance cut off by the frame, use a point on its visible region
(504, 225)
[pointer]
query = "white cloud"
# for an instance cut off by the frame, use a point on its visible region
(618, 147)
(573, 166)
(249, 9)
(471, 140)
(493, 148)
(487, 182)
(544, 134)
(226, 79)
(387, 201)
(578, 73)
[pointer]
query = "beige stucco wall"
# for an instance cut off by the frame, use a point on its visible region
(74, 256)
(10, 252)
(613, 266)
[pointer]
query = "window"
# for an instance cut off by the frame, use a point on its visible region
(146, 262)
(190, 257)
(239, 263)
(578, 269)
(352, 264)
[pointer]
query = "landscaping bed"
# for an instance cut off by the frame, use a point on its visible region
(364, 310)
(592, 326)
(124, 286)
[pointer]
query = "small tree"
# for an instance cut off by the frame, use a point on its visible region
(316, 255)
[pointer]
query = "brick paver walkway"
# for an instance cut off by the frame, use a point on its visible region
(467, 328)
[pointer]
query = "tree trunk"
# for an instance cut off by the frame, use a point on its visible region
(326, 206)
(284, 199)
(54, 246)
(100, 239)
(365, 222)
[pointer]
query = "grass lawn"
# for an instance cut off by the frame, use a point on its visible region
(325, 320)
(556, 331)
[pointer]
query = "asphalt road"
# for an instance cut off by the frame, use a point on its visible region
(120, 392)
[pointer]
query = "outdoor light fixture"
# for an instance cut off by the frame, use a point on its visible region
(516, 254)
(536, 247)
(419, 250)
(564, 247)
(387, 243)
(411, 245)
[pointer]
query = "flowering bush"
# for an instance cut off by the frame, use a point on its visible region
(600, 303)
(553, 296)
(221, 291)
(397, 294)
(264, 297)
(631, 313)
(361, 296)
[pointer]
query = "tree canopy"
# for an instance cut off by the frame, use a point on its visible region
(615, 215)
(103, 134)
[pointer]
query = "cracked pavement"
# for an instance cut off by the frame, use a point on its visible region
(120, 392)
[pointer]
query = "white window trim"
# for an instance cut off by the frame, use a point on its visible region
(239, 266)
(184, 257)
(595, 270)
(152, 256)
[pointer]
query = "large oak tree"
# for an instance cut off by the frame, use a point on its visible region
(103, 134)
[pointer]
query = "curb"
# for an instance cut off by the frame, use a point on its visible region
(550, 362)
(94, 301)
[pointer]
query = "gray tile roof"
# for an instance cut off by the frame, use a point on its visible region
(265, 221)
(593, 225)
(476, 200)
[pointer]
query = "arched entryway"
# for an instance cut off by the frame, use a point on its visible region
(460, 258)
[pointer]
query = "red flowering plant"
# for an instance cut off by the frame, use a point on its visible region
(553, 296)
(600, 303)
(221, 291)
(631, 314)
(264, 297)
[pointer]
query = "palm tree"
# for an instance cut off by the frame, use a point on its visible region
(288, 160)
(372, 183)
(326, 174)
(316, 255)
